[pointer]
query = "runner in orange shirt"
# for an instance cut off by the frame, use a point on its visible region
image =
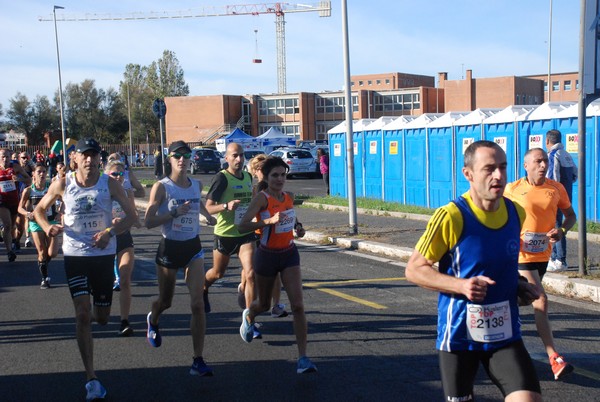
(541, 198)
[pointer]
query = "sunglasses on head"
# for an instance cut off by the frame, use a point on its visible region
(116, 174)
(178, 155)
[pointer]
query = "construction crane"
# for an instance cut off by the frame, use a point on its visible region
(279, 9)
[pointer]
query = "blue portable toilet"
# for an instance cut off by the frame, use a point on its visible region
(442, 160)
(359, 154)
(374, 157)
(467, 130)
(567, 122)
(393, 159)
(532, 130)
(338, 182)
(416, 159)
(502, 128)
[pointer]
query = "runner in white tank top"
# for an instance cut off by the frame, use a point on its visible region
(175, 205)
(88, 245)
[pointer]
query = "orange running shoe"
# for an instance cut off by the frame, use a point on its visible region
(560, 367)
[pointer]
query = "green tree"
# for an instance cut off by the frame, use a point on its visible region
(20, 114)
(45, 117)
(137, 95)
(165, 77)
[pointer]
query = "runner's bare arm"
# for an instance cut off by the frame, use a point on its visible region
(139, 191)
(157, 196)
(258, 203)
(24, 204)
(56, 190)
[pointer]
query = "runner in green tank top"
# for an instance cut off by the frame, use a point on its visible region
(229, 196)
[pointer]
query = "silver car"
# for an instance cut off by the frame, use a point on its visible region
(299, 160)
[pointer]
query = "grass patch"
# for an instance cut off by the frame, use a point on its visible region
(147, 182)
(378, 205)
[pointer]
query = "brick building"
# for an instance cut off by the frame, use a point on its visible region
(308, 116)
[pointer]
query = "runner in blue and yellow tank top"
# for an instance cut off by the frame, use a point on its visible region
(475, 240)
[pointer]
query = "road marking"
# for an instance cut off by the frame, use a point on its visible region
(320, 286)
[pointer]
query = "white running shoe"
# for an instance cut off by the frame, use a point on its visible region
(556, 266)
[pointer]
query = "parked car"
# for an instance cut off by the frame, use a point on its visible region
(299, 160)
(248, 154)
(204, 160)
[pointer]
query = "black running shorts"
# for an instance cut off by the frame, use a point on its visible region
(269, 262)
(534, 266)
(175, 254)
(91, 275)
(124, 241)
(510, 368)
(231, 245)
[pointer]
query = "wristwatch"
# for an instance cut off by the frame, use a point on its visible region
(173, 212)
(226, 207)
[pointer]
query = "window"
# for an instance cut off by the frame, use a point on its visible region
(577, 84)
(369, 82)
(360, 83)
(555, 86)
(387, 81)
(545, 86)
(567, 85)
(273, 107)
(351, 83)
(378, 82)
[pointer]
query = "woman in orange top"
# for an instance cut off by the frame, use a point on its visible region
(276, 253)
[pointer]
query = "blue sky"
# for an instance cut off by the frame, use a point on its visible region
(490, 37)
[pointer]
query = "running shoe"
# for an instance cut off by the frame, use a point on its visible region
(45, 283)
(305, 366)
(256, 334)
(206, 302)
(560, 367)
(125, 329)
(28, 242)
(241, 297)
(153, 335)
(200, 368)
(556, 266)
(278, 311)
(16, 246)
(11, 256)
(247, 328)
(95, 390)
(117, 286)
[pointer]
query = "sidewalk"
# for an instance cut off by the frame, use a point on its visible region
(394, 235)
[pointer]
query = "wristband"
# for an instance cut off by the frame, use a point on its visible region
(563, 230)
(110, 232)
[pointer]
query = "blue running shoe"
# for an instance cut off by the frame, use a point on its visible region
(305, 366)
(247, 328)
(256, 333)
(95, 390)
(153, 336)
(200, 368)
(206, 302)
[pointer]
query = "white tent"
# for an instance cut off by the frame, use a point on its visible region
(273, 138)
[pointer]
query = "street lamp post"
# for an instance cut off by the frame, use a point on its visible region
(62, 118)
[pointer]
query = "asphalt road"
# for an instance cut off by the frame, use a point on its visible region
(371, 334)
